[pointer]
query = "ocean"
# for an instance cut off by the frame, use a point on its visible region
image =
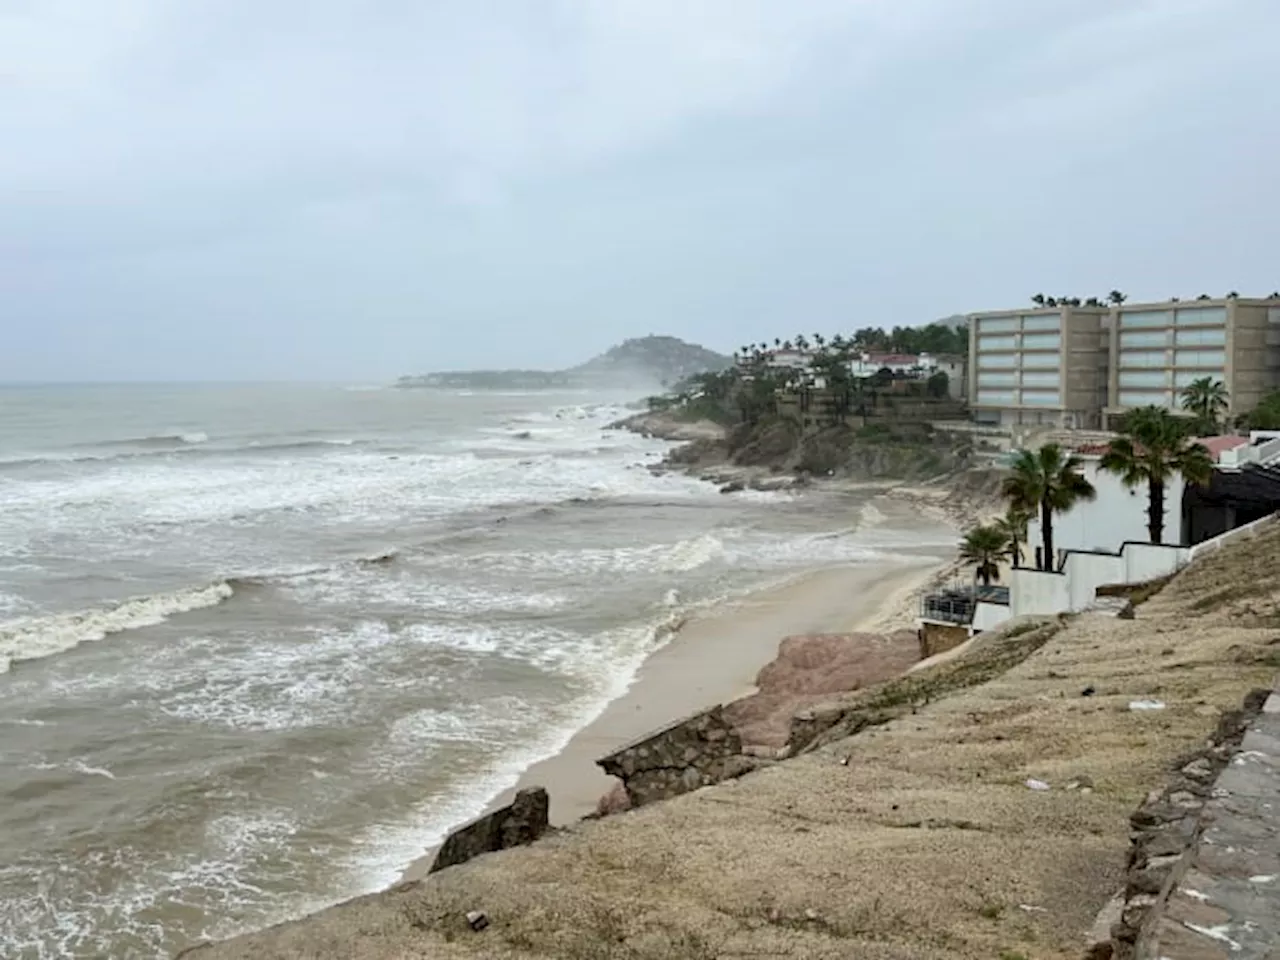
(262, 646)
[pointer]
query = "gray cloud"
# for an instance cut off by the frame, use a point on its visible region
(218, 188)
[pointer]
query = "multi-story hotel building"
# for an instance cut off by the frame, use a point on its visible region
(1157, 349)
(1083, 367)
(1040, 366)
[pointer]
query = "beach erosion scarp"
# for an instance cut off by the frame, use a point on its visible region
(977, 808)
(721, 655)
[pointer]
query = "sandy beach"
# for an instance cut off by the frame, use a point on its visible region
(715, 657)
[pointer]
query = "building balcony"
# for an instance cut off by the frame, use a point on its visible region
(956, 603)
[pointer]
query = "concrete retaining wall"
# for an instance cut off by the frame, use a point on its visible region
(1222, 539)
(937, 638)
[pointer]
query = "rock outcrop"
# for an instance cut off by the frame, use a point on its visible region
(810, 669)
(523, 822)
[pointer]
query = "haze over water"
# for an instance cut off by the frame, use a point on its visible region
(262, 646)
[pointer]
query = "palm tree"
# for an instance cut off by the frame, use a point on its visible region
(1154, 448)
(1207, 399)
(985, 547)
(1048, 479)
(1116, 297)
(1014, 527)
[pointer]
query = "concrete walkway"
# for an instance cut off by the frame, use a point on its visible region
(1227, 903)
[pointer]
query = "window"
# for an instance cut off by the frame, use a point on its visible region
(995, 396)
(1040, 398)
(1184, 378)
(1041, 361)
(1147, 318)
(1051, 322)
(1131, 398)
(1216, 315)
(1212, 337)
(1031, 379)
(1041, 341)
(1201, 358)
(988, 378)
(1005, 360)
(997, 325)
(1144, 378)
(996, 343)
(1144, 338)
(1143, 358)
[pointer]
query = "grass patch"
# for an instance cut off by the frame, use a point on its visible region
(1240, 591)
(991, 910)
(888, 701)
(1135, 593)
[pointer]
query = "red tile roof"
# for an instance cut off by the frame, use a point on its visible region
(1090, 449)
(1215, 445)
(1220, 444)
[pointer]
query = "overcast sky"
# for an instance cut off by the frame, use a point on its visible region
(355, 189)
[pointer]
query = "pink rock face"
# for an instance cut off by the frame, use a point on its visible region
(812, 668)
(615, 801)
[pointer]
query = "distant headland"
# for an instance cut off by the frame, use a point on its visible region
(643, 362)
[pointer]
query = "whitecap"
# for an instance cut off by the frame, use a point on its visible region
(31, 638)
(81, 767)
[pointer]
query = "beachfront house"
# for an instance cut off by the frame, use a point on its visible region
(1103, 545)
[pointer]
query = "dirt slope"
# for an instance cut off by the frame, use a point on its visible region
(917, 839)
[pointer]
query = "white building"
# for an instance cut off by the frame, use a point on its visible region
(1116, 516)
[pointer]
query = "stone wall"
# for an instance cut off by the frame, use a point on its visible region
(683, 756)
(1164, 910)
(524, 821)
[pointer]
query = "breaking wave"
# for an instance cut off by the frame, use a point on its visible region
(160, 440)
(32, 638)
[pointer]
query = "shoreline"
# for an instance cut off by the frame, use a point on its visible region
(714, 657)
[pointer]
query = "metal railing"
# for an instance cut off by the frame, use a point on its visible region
(947, 607)
(957, 604)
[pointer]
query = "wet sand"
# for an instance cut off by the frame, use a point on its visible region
(714, 658)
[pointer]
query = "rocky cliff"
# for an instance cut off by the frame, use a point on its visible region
(909, 451)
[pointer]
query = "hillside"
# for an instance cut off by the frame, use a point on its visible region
(667, 360)
(642, 362)
(977, 809)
